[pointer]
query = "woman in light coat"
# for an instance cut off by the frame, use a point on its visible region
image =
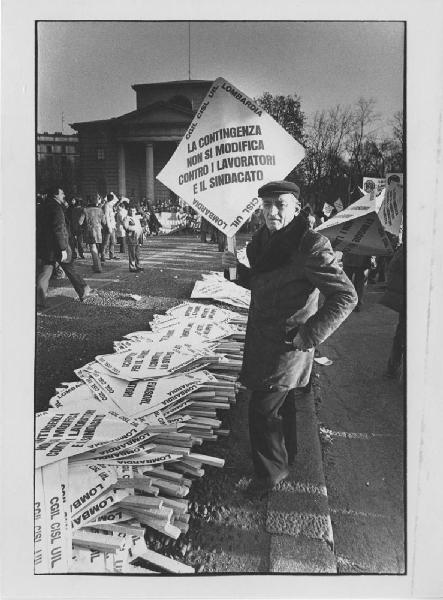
(134, 233)
(93, 220)
(121, 214)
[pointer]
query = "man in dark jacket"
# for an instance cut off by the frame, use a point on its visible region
(53, 246)
(290, 265)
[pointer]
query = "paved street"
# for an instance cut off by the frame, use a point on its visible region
(361, 429)
(362, 426)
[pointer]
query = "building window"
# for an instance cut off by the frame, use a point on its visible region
(100, 154)
(49, 149)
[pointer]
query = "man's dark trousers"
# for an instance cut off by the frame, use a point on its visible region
(272, 432)
(44, 274)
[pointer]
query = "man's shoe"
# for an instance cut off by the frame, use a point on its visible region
(86, 293)
(114, 258)
(140, 269)
(258, 488)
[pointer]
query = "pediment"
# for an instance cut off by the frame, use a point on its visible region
(159, 113)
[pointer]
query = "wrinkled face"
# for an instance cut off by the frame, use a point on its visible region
(279, 210)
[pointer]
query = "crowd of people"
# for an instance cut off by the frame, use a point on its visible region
(108, 226)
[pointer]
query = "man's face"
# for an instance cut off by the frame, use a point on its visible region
(279, 210)
(60, 196)
(132, 212)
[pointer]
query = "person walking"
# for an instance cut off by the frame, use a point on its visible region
(93, 219)
(134, 232)
(394, 298)
(290, 264)
(109, 228)
(52, 237)
(74, 214)
(357, 268)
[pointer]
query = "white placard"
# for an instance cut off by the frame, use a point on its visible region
(358, 229)
(231, 148)
(373, 185)
(59, 435)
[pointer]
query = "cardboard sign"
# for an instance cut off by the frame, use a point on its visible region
(59, 435)
(41, 531)
(373, 185)
(216, 287)
(358, 229)
(150, 362)
(58, 549)
(191, 330)
(327, 209)
(86, 482)
(193, 310)
(391, 210)
(394, 178)
(136, 398)
(338, 205)
(231, 148)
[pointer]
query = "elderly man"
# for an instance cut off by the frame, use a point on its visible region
(290, 265)
(53, 246)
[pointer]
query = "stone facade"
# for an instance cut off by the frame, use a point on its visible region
(58, 161)
(124, 154)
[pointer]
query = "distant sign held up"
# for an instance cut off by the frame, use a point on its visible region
(231, 148)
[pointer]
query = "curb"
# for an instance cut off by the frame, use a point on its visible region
(298, 516)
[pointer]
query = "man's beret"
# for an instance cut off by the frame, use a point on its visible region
(279, 187)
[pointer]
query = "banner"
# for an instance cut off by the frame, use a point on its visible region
(231, 148)
(358, 229)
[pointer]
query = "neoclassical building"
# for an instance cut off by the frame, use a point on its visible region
(124, 154)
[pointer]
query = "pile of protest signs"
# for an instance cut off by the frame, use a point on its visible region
(214, 286)
(115, 454)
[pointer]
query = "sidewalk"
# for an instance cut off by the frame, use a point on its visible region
(362, 428)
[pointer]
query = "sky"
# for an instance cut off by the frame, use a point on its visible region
(86, 69)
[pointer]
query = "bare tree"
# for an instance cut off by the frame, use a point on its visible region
(397, 125)
(362, 130)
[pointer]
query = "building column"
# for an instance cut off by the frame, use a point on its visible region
(121, 170)
(149, 151)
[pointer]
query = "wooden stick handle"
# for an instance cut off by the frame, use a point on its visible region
(232, 247)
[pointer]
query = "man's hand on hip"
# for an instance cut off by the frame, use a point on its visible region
(299, 344)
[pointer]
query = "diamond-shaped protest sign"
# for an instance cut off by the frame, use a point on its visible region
(231, 148)
(360, 228)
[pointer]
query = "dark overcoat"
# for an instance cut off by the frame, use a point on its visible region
(52, 233)
(284, 301)
(394, 296)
